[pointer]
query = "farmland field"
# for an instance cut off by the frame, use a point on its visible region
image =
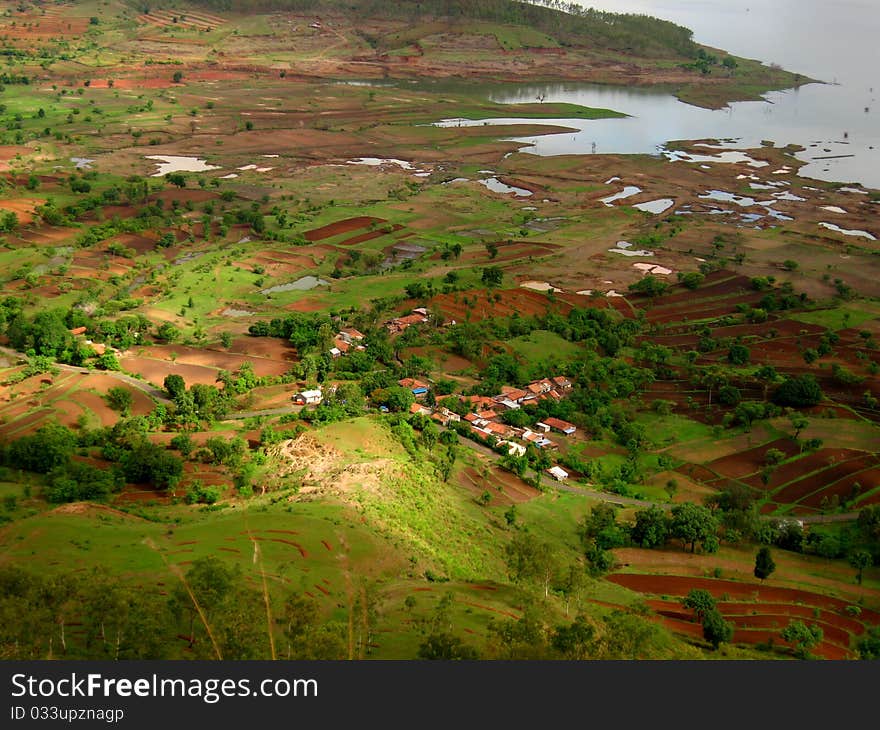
(399, 387)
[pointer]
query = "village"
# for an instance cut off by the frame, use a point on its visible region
(482, 414)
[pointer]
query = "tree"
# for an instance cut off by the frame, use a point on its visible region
(168, 332)
(692, 523)
(651, 528)
(119, 399)
(177, 77)
(715, 629)
(649, 285)
(492, 249)
(528, 559)
(175, 386)
(738, 355)
(691, 280)
(803, 636)
(492, 276)
(764, 564)
(860, 559)
(798, 423)
(700, 601)
(445, 646)
(799, 392)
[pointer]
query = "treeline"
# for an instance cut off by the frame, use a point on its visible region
(61, 454)
(214, 615)
(569, 23)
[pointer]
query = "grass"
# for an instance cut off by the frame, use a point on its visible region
(538, 344)
(840, 317)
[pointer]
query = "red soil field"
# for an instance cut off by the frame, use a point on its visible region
(154, 371)
(867, 479)
(211, 359)
(749, 461)
(797, 490)
(367, 236)
(807, 464)
(22, 207)
(679, 585)
(344, 226)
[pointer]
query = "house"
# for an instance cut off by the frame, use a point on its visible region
(508, 404)
(512, 394)
(562, 382)
(562, 426)
(542, 426)
(350, 335)
(78, 331)
(418, 408)
(537, 439)
(417, 387)
(399, 324)
(499, 430)
(450, 415)
(479, 402)
(308, 397)
(560, 475)
(513, 449)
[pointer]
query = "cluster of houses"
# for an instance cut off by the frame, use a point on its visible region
(346, 340)
(485, 414)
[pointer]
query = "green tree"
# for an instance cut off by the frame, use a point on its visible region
(799, 392)
(803, 636)
(715, 629)
(444, 646)
(530, 560)
(860, 559)
(764, 564)
(492, 276)
(119, 399)
(651, 528)
(700, 601)
(692, 523)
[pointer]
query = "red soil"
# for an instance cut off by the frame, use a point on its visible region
(334, 229)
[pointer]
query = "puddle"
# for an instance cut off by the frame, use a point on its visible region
(456, 180)
(612, 180)
(229, 176)
(653, 269)
(247, 167)
(540, 286)
(236, 313)
(845, 232)
(377, 161)
(656, 206)
(628, 191)
(302, 284)
(723, 197)
(175, 163)
(853, 190)
(82, 163)
(624, 248)
(728, 156)
(496, 186)
(271, 156)
(833, 209)
(789, 196)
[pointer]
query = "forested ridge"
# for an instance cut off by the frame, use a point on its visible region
(569, 23)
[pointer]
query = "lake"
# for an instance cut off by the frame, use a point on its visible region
(838, 122)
